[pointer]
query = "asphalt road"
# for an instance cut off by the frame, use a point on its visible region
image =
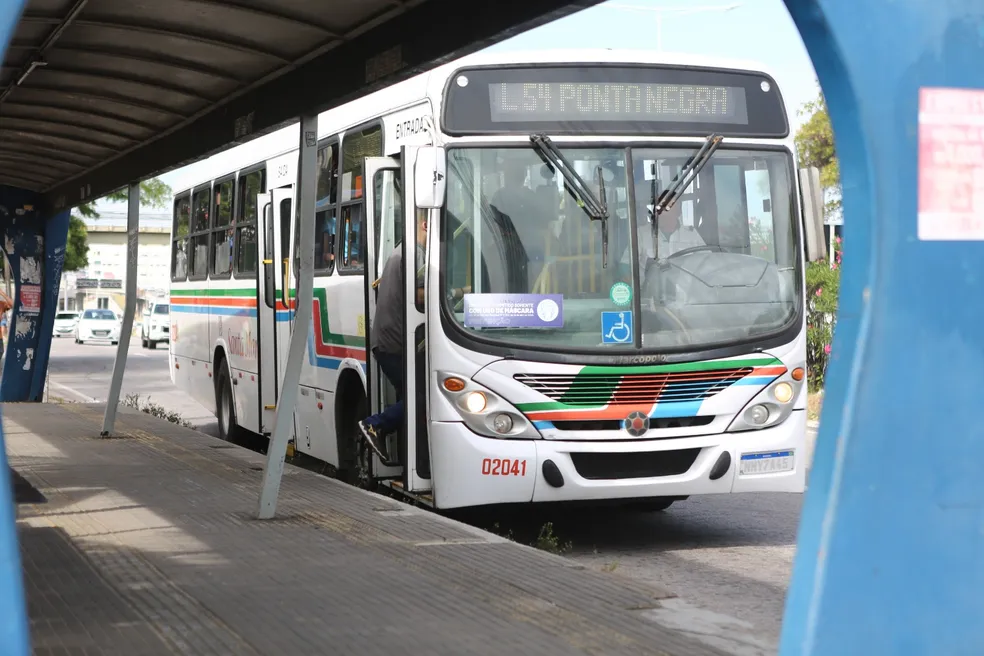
(731, 555)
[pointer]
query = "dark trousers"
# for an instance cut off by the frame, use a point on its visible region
(389, 420)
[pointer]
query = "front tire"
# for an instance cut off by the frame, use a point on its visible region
(355, 456)
(225, 407)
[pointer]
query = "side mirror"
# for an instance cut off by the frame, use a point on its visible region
(812, 193)
(429, 177)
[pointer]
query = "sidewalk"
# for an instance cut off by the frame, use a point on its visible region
(147, 544)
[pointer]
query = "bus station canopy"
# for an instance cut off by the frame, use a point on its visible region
(96, 94)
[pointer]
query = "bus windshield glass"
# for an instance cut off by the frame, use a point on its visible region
(719, 267)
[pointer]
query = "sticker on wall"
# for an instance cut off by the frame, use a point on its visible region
(360, 328)
(514, 311)
(620, 294)
(30, 299)
(951, 164)
(616, 327)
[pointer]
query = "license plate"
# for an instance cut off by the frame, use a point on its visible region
(100, 332)
(769, 462)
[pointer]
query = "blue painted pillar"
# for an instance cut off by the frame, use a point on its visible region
(891, 546)
(14, 632)
(35, 249)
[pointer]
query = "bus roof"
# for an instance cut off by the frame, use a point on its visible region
(430, 85)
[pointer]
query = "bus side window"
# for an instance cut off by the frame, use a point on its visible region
(356, 146)
(246, 222)
(179, 245)
(269, 285)
(352, 237)
(198, 250)
(223, 233)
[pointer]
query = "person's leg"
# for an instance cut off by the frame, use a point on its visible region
(376, 427)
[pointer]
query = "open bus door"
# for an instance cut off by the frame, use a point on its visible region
(273, 319)
(389, 203)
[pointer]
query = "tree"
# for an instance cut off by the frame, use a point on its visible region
(77, 246)
(153, 193)
(815, 147)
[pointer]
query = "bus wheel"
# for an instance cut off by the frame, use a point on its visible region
(355, 456)
(225, 407)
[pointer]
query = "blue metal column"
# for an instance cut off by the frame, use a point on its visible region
(14, 631)
(35, 248)
(891, 545)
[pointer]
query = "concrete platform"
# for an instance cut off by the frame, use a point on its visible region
(148, 544)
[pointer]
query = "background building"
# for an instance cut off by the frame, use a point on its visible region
(102, 283)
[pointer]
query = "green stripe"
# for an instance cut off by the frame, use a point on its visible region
(248, 292)
(542, 406)
(686, 367)
(569, 400)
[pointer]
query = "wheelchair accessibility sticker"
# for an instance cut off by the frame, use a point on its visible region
(616, 327)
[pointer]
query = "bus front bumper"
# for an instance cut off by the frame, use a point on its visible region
(473, 470)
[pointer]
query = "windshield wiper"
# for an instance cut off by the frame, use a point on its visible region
(687, 174)
(674, 190)
(596, 208)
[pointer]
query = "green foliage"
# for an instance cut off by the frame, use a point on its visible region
(822, 289)
(815, 147)
(77, 247)
(154, 409)
(153, 193)
(547, 540)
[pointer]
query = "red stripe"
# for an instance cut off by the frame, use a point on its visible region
(215, 302)
(332, 350)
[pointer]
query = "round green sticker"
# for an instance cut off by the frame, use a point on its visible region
(620, 293)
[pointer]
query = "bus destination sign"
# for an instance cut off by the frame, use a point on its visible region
(621, 99)
(601, 101)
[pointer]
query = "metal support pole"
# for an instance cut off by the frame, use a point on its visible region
(284, 422)
(132, 234)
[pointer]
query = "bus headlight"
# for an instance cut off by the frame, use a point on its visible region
(475, 402)
(769, 407)
(783, 392)
(484, 411)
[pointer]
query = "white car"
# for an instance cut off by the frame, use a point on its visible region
(65, 323)
(98, 325)
(156, 324)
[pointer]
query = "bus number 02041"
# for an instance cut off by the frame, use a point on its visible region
(503, 467)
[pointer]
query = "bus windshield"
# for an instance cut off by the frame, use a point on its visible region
(719, 267)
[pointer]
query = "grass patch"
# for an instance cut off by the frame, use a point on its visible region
(814, 401)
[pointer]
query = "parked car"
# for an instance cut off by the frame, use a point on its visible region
(65, 323)
(156, 324)
(98, 325)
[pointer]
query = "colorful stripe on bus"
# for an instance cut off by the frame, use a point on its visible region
(326, 349)
(660, 391)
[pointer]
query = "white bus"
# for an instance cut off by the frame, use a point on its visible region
(598, 354)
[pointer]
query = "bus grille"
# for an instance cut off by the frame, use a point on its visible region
(632, 389)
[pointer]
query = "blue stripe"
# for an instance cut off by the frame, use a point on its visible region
(204, 309)
(678, 409)
(543, 425)
(318, 361)
(755, 380)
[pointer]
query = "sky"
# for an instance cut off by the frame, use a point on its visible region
(751, 30)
